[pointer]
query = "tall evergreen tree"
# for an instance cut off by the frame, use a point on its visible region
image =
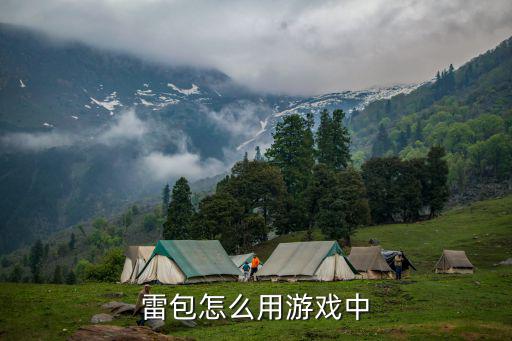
(382, 143)
(166, 196)
(72, 241)
(437, 186)
(293, 152)
(180, 211)
(57, 275)
(324, 139)
(36, 260)
(340, 141)
(16, 274)
(258, 156)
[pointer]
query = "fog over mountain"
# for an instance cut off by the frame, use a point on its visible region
(293, 47)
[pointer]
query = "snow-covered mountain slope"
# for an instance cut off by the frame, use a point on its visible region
(348, 100)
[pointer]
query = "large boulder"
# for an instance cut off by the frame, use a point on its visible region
(116, 333)
(100, 318)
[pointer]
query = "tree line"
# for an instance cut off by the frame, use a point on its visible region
(307, 181)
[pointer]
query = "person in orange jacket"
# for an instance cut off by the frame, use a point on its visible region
(254, 266)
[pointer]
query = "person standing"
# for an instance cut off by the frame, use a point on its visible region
(246, 268)
(139, 306)
(398, 265)
(254, 266)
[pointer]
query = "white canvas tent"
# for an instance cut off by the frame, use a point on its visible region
(136, 258)
(454, 262)
(370, 262)
(308, 261)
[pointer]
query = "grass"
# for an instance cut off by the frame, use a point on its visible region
(423, 306)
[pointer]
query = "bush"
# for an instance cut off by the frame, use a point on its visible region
(108, 270)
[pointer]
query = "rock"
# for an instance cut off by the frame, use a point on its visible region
(374, 241)
(112, 305)
(124, 309)
(100, 318)
(114, 333)
(506, 262)
(155, 325)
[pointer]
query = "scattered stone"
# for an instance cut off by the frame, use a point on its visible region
(112, 333)
(100, 318)
(112, 305)
(155, 325)
(505, 262)
(476, 282)
(124, 309)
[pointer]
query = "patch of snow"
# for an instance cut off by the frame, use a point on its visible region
(87, 106)
(146, 103)
(110, 102)
(75, 117)
(146, 85)
(147, 92)
(22, 85)
(193, 90)
(263, 125)
(46, 124)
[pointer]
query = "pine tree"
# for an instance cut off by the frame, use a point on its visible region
(36, 261)
(72, 241)
(382, 143)
(57, 275)
(324, 139)
(180, 211)
(437, 185)
(166, 193)
(340, 141)
(70, 277)
(16, 274)
(293, 152)
(258, 156)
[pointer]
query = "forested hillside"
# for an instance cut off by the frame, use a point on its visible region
(468, 111)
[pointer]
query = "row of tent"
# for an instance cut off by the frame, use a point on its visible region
(196, 261)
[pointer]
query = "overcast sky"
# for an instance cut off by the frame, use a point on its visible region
(296, 47)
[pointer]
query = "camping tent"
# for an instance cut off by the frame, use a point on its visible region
(370, 262)
(389, 256)
(136, 258)
(240, 259)
(452, 261)
(188, 261)
(308, 261)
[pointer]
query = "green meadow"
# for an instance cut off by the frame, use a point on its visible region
(423, 306)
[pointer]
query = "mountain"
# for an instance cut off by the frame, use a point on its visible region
(86, 132)
(468, 111)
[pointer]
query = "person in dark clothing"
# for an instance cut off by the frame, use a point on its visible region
(398, 265)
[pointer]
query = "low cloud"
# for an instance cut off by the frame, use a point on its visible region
(298, 47)
(164, 166)
(127, 127)
(240, 120)
(37, 141)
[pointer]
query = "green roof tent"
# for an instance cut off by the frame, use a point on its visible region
(188, 261)
(308, 261)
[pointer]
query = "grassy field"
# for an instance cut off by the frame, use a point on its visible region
(423, 306)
